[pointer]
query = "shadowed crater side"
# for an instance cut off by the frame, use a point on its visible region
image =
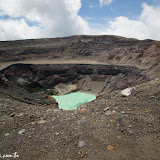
(32, 83)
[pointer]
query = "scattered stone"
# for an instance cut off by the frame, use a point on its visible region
(12, 115)
(22, 131)
(4, 111)
(106, 109)
(7, 134)
(83, 110)
(151, 97)
(82, 120)
(55, 110)
(82, 155)
(123, 129)
(121, 122)
(113, 111)
(42, 121)
(130, 126)
(81, 144)
(108, 113)
(20, 115)
(126, 92)
(123, 112)
(110, 148)
(57, 134)
(112, 121)
(67, 150)
(130, 131)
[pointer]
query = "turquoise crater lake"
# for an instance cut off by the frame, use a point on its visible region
(73, 100)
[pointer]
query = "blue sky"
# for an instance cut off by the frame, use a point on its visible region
(25, 19)
(129, 8)
(94, 13)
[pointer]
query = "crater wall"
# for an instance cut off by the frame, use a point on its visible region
(66, 78)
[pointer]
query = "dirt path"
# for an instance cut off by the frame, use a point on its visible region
(67, 61)
(48, 61)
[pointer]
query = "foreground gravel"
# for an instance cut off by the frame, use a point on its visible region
(110, 128)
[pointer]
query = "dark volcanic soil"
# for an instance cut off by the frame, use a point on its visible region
(129, 124)
(112, 127)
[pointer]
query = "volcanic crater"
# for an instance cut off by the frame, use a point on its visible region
(110, 127)
(60, 79)
(113, 63)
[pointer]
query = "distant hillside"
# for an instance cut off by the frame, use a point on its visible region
(102, 48)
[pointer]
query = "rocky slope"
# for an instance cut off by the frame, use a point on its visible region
(111, 127)
(103, 48)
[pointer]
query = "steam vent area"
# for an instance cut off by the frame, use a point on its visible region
(80, 97)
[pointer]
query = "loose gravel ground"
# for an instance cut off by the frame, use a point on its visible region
(110, 128)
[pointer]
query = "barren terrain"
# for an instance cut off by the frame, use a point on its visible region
(110, 127)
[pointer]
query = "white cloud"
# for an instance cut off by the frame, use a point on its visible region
(145, 27)
(128, 28)
(60, 18)
(17, 29)
(91, 6)
(55, 18)
(105, 2)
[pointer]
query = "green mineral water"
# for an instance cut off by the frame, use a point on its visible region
(73, 100)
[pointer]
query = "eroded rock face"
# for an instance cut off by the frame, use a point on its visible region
(61, 89)
(63, 79)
